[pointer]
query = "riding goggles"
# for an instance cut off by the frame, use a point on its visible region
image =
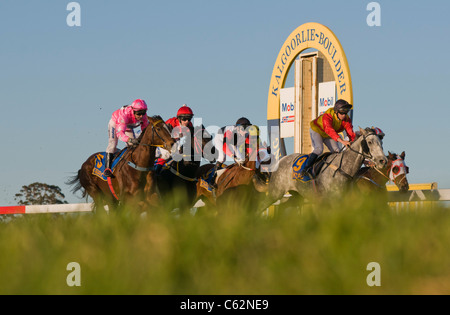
(140, 112)
(185, 118)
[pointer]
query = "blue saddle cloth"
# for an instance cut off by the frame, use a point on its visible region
(100, 164)
(297, 168)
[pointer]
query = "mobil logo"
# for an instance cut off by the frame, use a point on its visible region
(287, 107)
(326, 101)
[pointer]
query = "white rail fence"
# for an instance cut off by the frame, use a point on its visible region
(396, 199)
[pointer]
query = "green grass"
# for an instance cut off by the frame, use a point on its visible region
(321, 251)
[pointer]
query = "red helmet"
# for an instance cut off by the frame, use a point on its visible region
(139, 105)
(185, 111)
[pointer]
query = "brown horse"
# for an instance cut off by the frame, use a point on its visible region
(237, 186)
(130, 175)
(370, 179)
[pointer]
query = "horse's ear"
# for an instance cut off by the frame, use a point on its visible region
(403, 155)
(362, 131)
(391, 155)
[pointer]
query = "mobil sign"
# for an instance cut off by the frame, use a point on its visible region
(287, 112)
(327, 96)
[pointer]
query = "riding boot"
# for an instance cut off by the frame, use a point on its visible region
(109, 160)
(308, 167)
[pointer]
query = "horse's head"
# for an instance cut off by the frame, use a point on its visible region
(372, 147)
(398, 171)
(157, 134)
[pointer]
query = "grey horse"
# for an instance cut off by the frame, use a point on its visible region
(338, 170)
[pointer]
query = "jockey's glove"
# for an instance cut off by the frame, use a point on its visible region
(132, 141)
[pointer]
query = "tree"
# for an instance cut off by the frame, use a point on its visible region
(40, 194)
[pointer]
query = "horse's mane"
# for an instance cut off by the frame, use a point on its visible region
(151, 120)
(369, 131)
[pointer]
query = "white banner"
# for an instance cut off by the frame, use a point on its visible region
(327, 96)
(287, 112)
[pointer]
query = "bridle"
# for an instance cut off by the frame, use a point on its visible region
(367, 157)
(339, 168)
(398, 162)
(154, 131)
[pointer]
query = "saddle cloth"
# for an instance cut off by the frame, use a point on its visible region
(297, 168)
(100, 163)
(206, 179)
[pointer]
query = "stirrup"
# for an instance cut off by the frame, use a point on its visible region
(306, 172)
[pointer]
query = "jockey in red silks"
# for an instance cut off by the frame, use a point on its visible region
(229, 141)
(121, 126)
(238, 142)
(243, 142)
(179, 125)
(325, 128)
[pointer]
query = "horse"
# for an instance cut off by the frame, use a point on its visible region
(177, 182)
(337, 171)
(370, 179)
(129, 181)
(238, 185)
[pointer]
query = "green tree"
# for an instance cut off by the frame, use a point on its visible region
(40, 194)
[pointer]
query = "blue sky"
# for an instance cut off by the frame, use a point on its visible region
(60, 84)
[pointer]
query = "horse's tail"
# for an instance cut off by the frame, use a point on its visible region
(75, 182)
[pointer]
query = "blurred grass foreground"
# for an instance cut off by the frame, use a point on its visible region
(317, 251)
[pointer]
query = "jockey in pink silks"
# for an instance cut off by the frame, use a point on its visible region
(122, 125)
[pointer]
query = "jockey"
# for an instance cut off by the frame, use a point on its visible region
(183, 119)
(230, 139)
(121, 126)
(238, 142)
(179, 125)
(325, 129)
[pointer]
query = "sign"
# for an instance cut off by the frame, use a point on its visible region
(327, 96)
(287, 113)
(309, 35)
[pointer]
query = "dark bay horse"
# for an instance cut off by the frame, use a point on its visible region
(332, 179)
(370, 179)
(129, 182)
(177, 182)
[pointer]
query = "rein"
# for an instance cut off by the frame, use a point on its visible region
(339, 168)
(148, 169)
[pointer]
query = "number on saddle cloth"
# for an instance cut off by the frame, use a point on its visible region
(297, 168)
(100, 163)
(299, 165)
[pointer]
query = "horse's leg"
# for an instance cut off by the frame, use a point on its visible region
(295, 202)
(208, 199)
(151, 195)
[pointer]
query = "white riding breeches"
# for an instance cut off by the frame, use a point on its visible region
(318, 142)
(112, 137)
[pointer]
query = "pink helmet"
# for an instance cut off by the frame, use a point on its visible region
(139, 105)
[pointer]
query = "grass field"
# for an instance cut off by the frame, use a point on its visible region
(320, 251)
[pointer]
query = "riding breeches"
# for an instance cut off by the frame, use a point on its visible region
(318, 142)
(112, 137)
